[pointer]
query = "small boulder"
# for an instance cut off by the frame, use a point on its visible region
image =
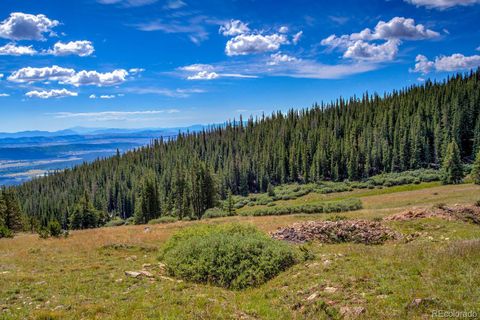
(133, 274)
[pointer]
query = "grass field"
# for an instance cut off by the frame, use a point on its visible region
(83, 276)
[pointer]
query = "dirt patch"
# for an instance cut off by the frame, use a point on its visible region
(357, 231)
(466, 213)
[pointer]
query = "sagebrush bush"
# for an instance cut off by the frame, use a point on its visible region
(116, 222)
(325, 207)
(164, 219)
(215, 213)
(233, 256)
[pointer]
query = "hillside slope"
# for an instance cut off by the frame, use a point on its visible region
(348, 139)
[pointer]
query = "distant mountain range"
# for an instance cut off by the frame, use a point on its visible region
(28, 154)
(99, 131)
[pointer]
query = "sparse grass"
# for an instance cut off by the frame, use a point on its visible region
(83, 276)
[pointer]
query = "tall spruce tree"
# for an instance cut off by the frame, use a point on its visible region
(476, 169)
(452, 165)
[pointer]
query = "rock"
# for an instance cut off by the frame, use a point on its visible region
(351, 312)
(146, 274)
(146, 230)
(326, 263)
(422, 302)
(119, 280)
(133, 274)
(312, 296)
(131, 258)
(146, 265)
(330, 289)
(167, 278)
(357, 231)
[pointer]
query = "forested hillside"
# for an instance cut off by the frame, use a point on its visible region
(346, 139)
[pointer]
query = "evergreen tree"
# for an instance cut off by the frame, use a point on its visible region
(270, 190)
(476, 169)
(452, 165)
(230, 204)
(12, 216)
(84, 215)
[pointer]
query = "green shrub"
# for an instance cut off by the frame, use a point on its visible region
(5, 232)
(54, 229)
(115, 222)
(233, 256)
(325, 207)
(215, 213)
(130, 221)
(164, 219)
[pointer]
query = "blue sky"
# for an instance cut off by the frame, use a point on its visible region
(170, 63)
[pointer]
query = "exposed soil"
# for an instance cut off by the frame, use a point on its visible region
(466, 213)
(357, 231)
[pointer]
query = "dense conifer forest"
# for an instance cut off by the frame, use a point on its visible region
(347, 139)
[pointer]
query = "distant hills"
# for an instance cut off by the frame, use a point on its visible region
(99, 131)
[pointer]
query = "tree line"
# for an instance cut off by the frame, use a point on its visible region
(353, 139)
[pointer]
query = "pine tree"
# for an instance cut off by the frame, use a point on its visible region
(452, 165)
(12, 216)
(270, 190)
(230, 204)
(476, 169)
(84, 216)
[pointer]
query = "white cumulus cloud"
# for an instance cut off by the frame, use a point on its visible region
(455, 62)
(357, 45)
(234, 28)
(204, 75)
(69, 76)
(362, 50)
(55, 93)
(442, 4)
(254, 43)
(95, 78)
(278, 58)
(81, 48)
(23, 26)
(11, 49)
(53, 73)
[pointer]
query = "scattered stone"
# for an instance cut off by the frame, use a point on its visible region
(146, 265)
(312, 296)
(330, 289)
(146, 230)
(357, 231)
(146, 274)
(119, 280)
(326, 263)
(351, 312)
(131, 258)
(422, 302)
(133, 274)
(167, 278)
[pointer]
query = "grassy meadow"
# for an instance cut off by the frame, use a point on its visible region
(83, 276)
